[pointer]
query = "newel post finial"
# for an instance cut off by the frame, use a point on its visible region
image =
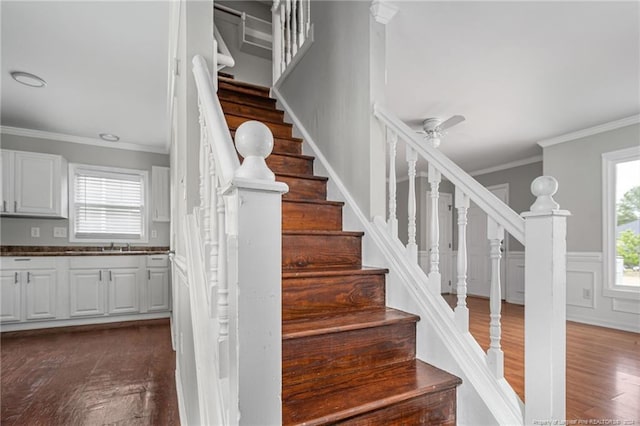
(254, 141)
(544, 187)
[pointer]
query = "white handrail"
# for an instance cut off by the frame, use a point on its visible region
(492, 205)
(224, 55)
(225, 156)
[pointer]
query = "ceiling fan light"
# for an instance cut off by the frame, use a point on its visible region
(28, 79)
(109, 137)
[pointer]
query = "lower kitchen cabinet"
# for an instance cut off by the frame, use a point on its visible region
(70, 290)
(86, 292)
(28, 294)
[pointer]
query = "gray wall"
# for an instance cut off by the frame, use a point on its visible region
(578, 167)
(248, 68)
(520, 197)
(329, 91)
(17, 231)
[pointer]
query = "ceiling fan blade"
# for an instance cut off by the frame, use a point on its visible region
(456, 119)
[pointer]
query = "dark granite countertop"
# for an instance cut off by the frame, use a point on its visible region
(32, 251)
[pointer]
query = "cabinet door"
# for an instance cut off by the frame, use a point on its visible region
(7, 181)
(123, 290)
(160, 182)
(10, 300)
(158, 289)
(86, 290)
(40, 289)
(37, 183)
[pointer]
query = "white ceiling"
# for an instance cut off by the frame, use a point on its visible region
(105, 64)
(520, 72)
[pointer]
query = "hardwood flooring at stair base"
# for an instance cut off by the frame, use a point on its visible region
(281, 130)
(311, 216)
(310, 297)
(252, 112)
(329, 354)
(320, 250)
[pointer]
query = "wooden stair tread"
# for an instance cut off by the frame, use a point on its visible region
(321, 202)
(358, 320)
(265, 120)
(299, 176)
(292, 139)
(226, 75)
(241, 86)
(324, 233)
(341, 397)
(254, 107)
(337, 271)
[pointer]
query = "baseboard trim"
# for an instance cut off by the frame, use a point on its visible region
(90, 323)
(602, 323)
(180, 395)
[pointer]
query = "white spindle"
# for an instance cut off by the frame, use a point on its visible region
(495, 356)
(392, 138)
(214, 231)
(283, 41)
(434, 227)
(287, 21)
(412, 247)
(276, 37)
(301, 25)
(223, 281)
(462, 311)
(294, 27)
(308, 20)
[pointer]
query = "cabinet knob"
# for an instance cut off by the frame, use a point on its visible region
(15, 278)
(15, 206)
(149, 274)
(4, 206)
(100, 273)
(110, 276)
(28, 277)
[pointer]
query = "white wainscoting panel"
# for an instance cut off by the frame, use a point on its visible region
(515, 277)
(584, 273)
(626, 305)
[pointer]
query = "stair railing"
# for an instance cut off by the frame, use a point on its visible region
(291, 23)
(542, 231)
(234, 241)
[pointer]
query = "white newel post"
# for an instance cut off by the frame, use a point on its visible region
(254, 217)
(545, 304)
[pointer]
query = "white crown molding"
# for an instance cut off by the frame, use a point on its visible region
(18, 131)
(383, 11)
(612, 125)
(510, 165)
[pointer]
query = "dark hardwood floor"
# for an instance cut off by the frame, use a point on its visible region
(121, 376)
(603, 364)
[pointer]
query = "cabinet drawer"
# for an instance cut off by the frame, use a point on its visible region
(157, 261)
(27, 263)
(103, 262)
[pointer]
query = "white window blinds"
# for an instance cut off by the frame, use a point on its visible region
(108, 204)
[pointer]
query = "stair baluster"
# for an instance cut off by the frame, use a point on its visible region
(287, 22)
(462, 311)
(301, 24)
(294, 27)
(392, 139)
(276, 37)
(495, 356)
(434, 231)
(412, 247)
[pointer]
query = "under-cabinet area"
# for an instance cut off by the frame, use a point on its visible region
(55, 291)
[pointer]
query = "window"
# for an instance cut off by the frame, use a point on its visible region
(621, 222)
(107, 204)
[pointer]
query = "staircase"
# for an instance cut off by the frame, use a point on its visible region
(346, 357)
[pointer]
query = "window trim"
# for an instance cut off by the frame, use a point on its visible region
(609, 162)
(144, 236)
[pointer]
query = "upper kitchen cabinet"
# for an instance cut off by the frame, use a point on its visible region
(160, 182)
(34, 184)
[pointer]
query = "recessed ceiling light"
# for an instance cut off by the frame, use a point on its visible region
(28, 79)
(109, 137)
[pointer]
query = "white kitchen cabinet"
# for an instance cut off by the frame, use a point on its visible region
(34, 184)
(31, 291)
(160, 191)
(86, 292)
(157, 289)
(40, 293)
(10, 296)
(123, 290)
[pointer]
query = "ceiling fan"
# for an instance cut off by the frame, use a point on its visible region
(434, 128)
